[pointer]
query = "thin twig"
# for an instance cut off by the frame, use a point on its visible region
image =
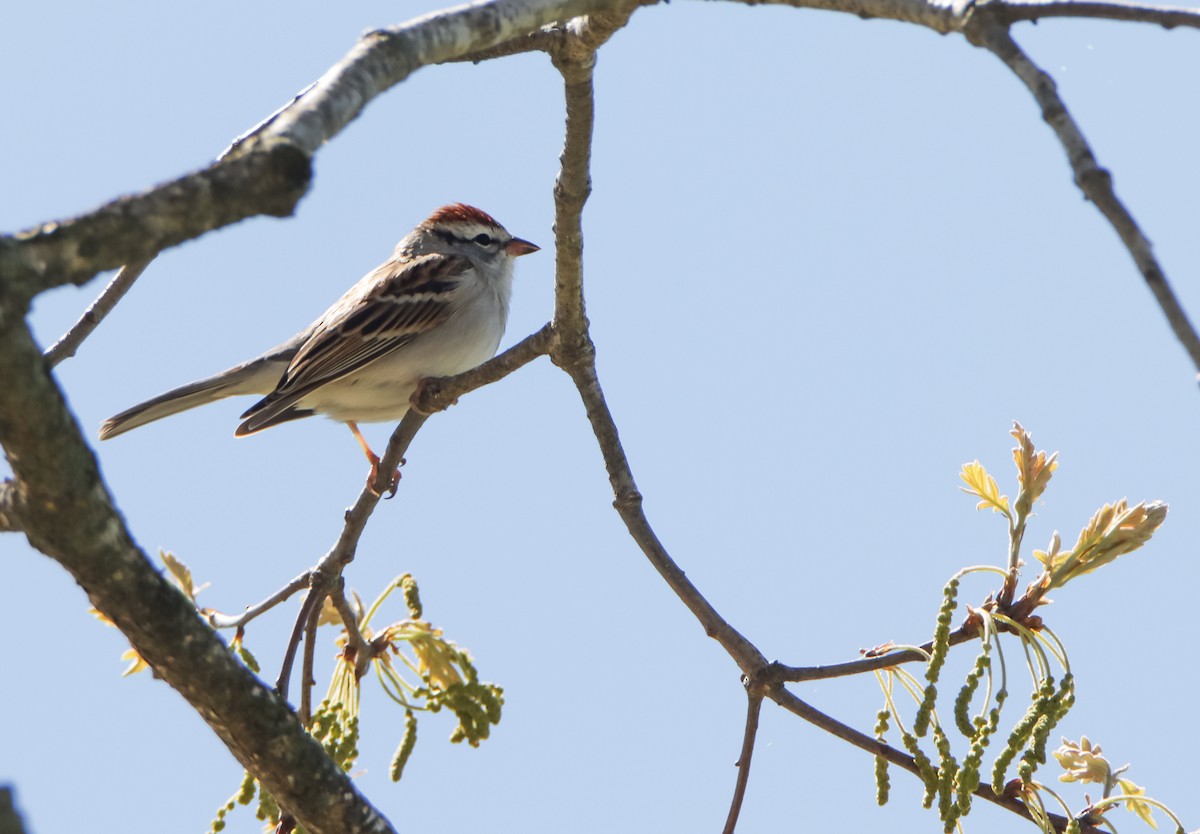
(218, 620)
(629, 505)
(307, 680)
(876, 747)
(571, 191)
(779, 673)
(312, 601)
(439, 393)
(574, 352)
(754, 699)
(325, 577)
(66, 346)
(258, 129)
(1093, 180)
(355, 641)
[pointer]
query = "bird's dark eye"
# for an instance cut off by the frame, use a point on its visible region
(483, 239)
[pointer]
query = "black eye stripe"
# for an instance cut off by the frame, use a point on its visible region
(481, 239)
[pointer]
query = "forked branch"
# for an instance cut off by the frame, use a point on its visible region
(266, 172)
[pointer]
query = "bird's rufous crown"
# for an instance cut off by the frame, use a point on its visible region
(460, 213)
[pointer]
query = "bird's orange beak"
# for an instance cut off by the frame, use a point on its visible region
(517, 247)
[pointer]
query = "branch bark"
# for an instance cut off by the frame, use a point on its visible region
(266, 171)
(1093, 180)
(66, 346)
(56, 481)
(1013, 11)
(754, 699)
(875, 747)
(218, 620)
(270, 181)
(10, 820)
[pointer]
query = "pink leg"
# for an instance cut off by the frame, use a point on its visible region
(394, 484)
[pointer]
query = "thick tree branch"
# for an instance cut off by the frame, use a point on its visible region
(10, 511)
(137, 227)
(386, 57)
(10, 820)
(578, 35)
(267, 170)
(1013, 11)
(56, 479)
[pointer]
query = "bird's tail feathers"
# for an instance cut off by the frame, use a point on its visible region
(256, 377)
(272, 410)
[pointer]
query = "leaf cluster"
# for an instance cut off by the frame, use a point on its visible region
(1114, 530)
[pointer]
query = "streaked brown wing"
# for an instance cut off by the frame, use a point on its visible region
(403, 305)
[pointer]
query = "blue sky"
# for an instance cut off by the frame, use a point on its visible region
(827, 262)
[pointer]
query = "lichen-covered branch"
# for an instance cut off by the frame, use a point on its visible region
(10, 513)
(138, 226)
(268, 170)
(56, 478)
(386, 57)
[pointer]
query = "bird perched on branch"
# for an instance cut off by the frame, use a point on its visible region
(437, 307)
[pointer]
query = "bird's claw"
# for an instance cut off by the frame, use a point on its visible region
(373, 478)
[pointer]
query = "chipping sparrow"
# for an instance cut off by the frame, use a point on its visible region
(437, 307)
